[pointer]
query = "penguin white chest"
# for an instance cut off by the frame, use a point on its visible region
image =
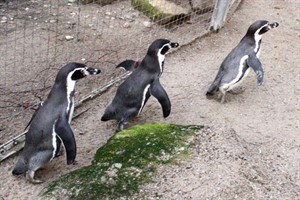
(161, 59)
(70, 98)
(144, 97)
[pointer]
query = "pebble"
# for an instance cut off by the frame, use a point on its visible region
(126, 25)
(52, 21)
(3, 19)
(147, 24)
(108, 13)
(69, 37)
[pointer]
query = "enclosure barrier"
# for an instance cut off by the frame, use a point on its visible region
(37, 37)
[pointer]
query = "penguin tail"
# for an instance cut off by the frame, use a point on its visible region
(21, 166)
(108, 114)
(128, 65)
(212, 90)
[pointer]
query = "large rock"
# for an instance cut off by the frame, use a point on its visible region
(127, 161)
(100, 2)
(163, 11)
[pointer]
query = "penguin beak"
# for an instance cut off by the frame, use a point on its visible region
(273, 25)
(174, 44)
(92, 71)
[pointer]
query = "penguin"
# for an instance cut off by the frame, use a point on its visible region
(128, 65)
(238, 62)
(50, 124)
(134, 92)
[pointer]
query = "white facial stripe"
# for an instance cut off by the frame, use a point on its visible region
(233, 83)
(161, 57)
(257, 38)
(144, 97)
(70, 89)
(54, 144)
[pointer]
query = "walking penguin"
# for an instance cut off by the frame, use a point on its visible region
(50, 125)
(244, 56)
(143, 82)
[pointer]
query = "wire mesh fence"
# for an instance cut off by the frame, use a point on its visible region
(38, 36)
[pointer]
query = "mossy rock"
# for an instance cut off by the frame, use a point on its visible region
(100, 2)
(128, 160)
(162, 11)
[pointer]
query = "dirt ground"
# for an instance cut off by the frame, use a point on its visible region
(251, 149)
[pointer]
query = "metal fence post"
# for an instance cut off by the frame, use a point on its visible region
(219, 14)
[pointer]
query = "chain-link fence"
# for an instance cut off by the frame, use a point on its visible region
(38, 36)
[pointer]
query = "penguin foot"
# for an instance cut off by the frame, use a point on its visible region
(222, 98)
(237, 90)
(31, 179)
(120, 126)
(75, 162)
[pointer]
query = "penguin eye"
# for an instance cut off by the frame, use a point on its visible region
(78, 74)
(263, 30)
(164, 50)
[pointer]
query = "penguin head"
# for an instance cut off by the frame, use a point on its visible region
(260, 27)
(75, 71)
(161, 46)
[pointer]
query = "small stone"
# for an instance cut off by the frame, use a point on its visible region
(108, 13)
(26, 9)
(3, 19)
(147, 24)
(69, 37)
(118, 165)
(83, 59)
(53, 21)
(72, 1)
(126, 25)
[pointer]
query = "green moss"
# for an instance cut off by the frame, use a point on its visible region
(100, 2)
(128, 160)
(150, 11)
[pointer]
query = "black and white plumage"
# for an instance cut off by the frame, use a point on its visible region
(244, 56)
(50, 124)
(143, 82)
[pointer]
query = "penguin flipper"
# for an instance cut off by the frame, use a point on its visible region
(65, 133)
(161, 95)
(128, 65)
(256, 65)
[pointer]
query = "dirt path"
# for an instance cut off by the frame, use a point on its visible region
(254, 152)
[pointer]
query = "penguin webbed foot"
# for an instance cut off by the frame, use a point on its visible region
(222, 97)
(120, 126)
(72, 162)
(31, 179)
